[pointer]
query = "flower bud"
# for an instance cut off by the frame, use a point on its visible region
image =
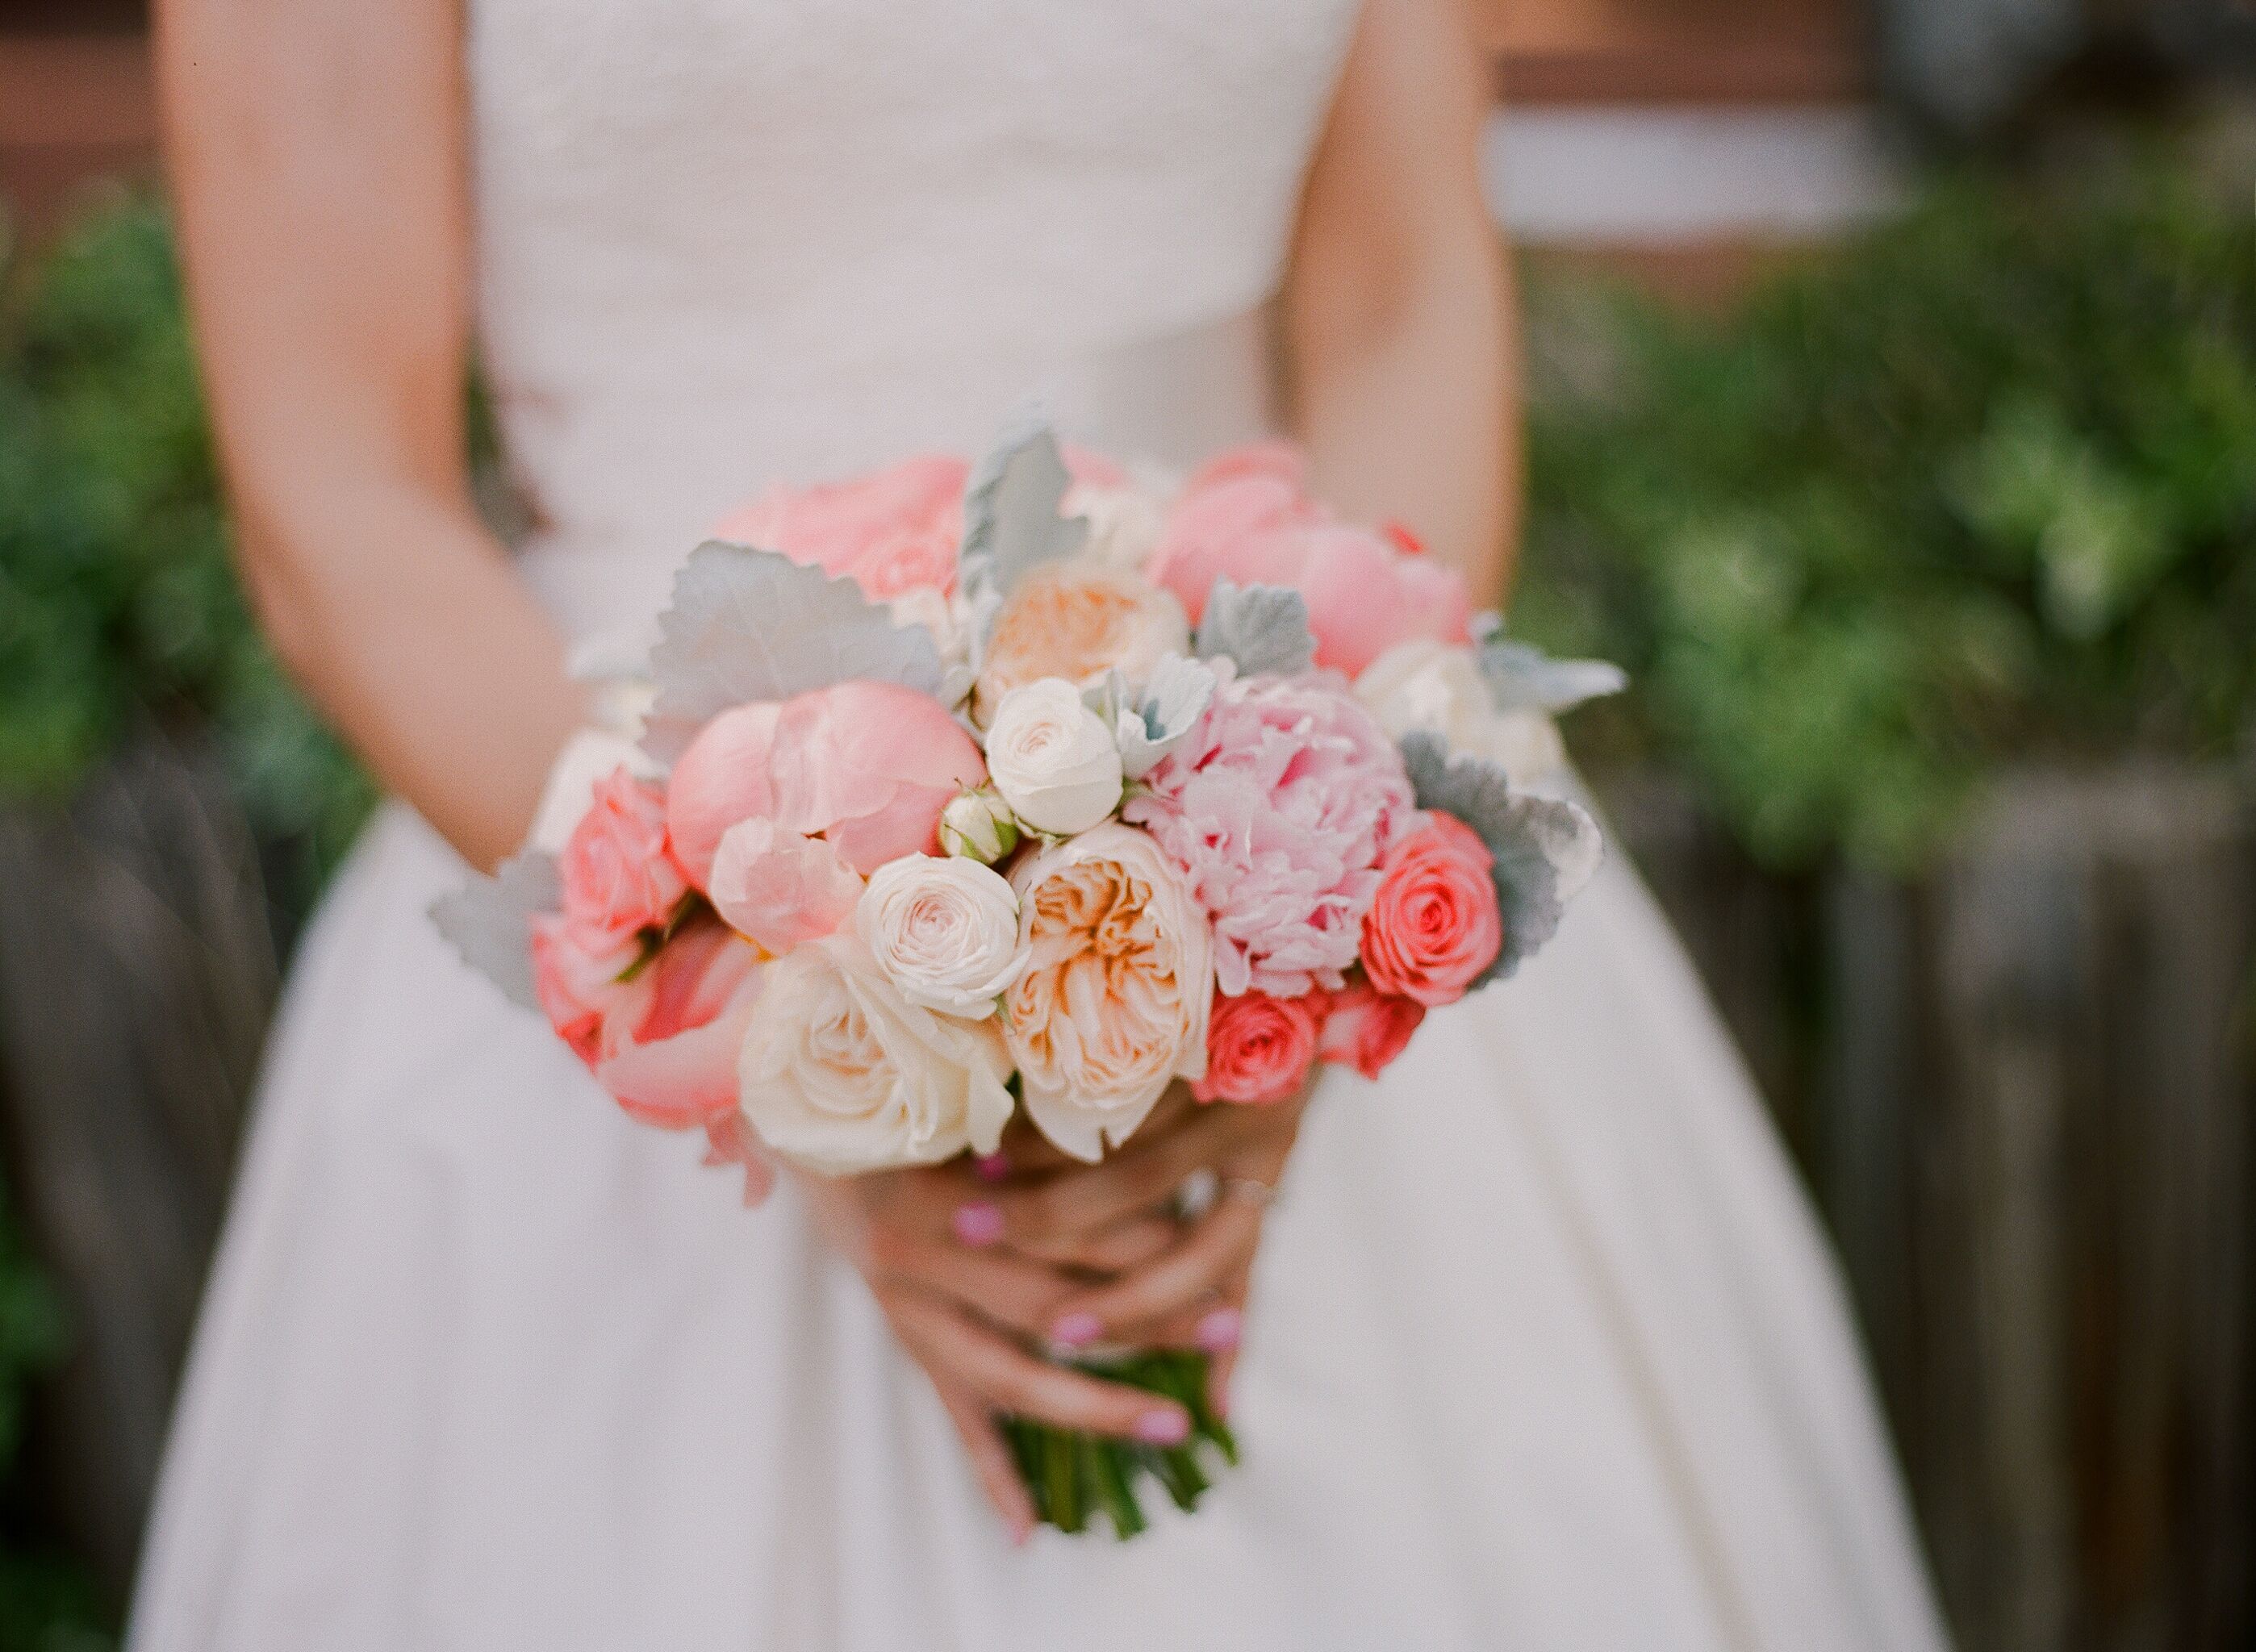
(979, 826)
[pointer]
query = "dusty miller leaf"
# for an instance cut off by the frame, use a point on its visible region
(1264, 627)
(1010, 520)
(749, 625)
(488, 921)
(1521, 676)
(1149, 724)
(1546, 850)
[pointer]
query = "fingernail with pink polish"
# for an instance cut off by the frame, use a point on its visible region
(979, 1223)
(1076, 1330)
(993, 1167)
(1163, 1428)
(1218, 1331)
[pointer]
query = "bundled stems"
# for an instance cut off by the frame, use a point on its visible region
(1072, 1476)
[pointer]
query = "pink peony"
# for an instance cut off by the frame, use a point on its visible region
(1279, 808)
(893, 531)
(1365, 1029)
(664, 1042)
(1434, 926)
(1260, 1049)
(1245, 517)
(866, 766)
(779, 888)
(616, 874)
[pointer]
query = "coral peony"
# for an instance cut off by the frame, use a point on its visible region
(1279, 808)
(893, 530)
(1245, 517)
(867, 766)
(1365, 1029)
(1260, 1049)
(1434, 926)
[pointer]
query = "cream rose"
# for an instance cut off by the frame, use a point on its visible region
(1114, 1002)
(945, 931)
(1054, 759)
(841, 1074)
(1438, 687)
(1077, 621)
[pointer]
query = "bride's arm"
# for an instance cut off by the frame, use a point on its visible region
(317, 158)
(1397, 305)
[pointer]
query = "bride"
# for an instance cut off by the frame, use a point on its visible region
(1540, 1348)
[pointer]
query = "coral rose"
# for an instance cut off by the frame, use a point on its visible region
(896, 529)
(1365, 1029)
(1245, 517)
(1114, 1002)
(842, 1074)
(617, 877)
(1434, 926)
(1077, 621)
(866, 766)
(1259, 1048)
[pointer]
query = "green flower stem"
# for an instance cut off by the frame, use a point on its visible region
(1071, 1476)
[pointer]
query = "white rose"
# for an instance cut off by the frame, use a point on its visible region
(841, 1074)
(1439, 688)
(945, 931)
(1052, 758)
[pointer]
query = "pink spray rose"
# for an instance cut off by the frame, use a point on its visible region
(617, 875)
(1364, 1028)
(893, 531)
(1260, 1049)
(1434, 926)
(1246, 517)
(1279, 808)
(866, 766)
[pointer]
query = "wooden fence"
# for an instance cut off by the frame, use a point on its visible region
(2019, 1086)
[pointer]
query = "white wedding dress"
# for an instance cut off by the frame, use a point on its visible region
(1545, 1351)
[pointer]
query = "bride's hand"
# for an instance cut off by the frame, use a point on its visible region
(1189, 1289)
(968, 1310)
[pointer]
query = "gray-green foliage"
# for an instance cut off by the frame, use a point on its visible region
(1980, 485)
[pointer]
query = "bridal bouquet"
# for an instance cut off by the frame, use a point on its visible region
(953, 792)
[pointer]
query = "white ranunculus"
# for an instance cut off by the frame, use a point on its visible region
(945, 931)
(1052, 758)
(841, 1074)
(1438, 687)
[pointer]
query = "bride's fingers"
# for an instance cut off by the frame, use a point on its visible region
(1125, 1245)
(1015, 1293)
(991, 1461)
(954, 1349)
(1187, 1276)
(1130, 1181)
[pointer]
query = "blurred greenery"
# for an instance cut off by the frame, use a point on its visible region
(116, 599)
(1979, 486)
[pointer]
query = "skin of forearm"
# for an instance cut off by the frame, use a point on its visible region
(1411, 411)
(415, 637)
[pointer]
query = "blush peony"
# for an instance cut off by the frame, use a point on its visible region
(1260, 1049)
(1113, 1004)
(1434, 926)
(866, 766)
(891, 531)
(1279, 809)
(1246, 517)
(617, 876)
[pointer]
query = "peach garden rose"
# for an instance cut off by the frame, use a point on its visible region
(1113, 1004)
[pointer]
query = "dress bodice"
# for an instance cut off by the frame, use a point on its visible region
(722, 242)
